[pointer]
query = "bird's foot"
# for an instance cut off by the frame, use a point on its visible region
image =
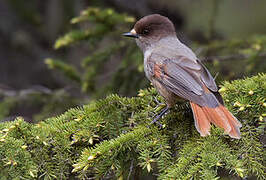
(159, 116)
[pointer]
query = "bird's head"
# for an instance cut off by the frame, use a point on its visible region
(150, 29)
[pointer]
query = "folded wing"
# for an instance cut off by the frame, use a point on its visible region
(185, 78)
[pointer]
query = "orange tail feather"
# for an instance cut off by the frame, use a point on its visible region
(234, 123)
(219, 116)
(202, 124)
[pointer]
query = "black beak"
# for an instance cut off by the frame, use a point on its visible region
(130, 34)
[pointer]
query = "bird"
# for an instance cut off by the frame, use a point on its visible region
(177, 74)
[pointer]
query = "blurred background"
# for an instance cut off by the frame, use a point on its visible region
(59, 54)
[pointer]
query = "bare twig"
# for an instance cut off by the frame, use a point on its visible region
(214, 13)
(231, 57)
(34, 89)
(130, 169)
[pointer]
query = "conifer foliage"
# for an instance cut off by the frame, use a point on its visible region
(113, 138)
(101, 32)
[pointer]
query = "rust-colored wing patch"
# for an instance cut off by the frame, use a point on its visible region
(158, 71)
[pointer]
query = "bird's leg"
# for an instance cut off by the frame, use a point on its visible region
(158, 103)
(159, 116)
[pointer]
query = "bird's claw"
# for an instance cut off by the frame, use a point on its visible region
(159, 116)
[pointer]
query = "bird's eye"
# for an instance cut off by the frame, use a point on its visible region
(145, 31)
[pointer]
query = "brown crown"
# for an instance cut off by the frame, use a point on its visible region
(154, 23)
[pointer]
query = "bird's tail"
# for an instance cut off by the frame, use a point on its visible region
(219, 116)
